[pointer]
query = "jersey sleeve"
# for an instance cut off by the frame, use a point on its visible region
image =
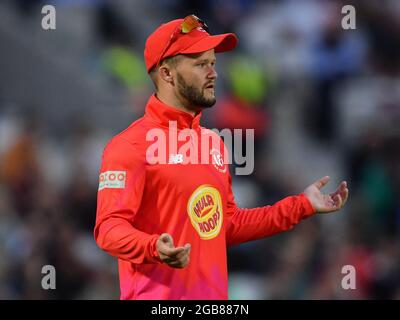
(252, 224)
(122, 179)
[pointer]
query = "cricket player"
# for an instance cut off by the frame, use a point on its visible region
(169, 220)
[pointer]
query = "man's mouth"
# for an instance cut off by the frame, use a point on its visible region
(210, 86)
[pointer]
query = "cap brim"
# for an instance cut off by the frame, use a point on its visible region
(221, 43)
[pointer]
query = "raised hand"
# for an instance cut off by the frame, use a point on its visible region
(325, 203)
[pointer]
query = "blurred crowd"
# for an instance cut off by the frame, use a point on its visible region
(322, 100)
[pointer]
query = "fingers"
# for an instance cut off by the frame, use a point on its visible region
(181, 260)
(344, 195)
(176, 257)
(341, 191)
(185, 251)
(321, 182)
(167, 239)
(338, 201)
(325, 203)
(166, 245)
(171, 252)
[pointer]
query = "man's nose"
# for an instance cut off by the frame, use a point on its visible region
(212, 74)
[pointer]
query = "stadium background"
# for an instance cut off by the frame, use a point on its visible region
(322, 100)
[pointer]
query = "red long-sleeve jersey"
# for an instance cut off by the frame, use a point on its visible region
(140, 197)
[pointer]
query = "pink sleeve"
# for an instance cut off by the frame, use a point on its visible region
(122, 178)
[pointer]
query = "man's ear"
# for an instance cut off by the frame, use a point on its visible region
(166, 74)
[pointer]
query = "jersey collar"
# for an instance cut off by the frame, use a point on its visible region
(161, 113)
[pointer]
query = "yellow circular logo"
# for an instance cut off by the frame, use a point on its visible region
(205, 211)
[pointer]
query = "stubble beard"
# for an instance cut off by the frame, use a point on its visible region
(193, 95)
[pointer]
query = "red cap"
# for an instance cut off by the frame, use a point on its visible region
(196, 41)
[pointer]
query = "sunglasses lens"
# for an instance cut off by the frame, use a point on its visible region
(190, 23)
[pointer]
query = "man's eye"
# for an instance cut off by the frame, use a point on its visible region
(204, 64)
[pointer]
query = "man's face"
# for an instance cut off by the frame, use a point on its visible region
(196, 78)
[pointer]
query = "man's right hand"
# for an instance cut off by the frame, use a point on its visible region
(175, 257)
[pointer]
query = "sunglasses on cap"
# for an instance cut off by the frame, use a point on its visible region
(188, 24)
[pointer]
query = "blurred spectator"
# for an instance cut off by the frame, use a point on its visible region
(336, 54)
(19, 169)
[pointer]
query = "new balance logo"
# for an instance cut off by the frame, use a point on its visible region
(175, 158)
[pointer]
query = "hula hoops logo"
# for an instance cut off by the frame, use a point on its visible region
(205, 211)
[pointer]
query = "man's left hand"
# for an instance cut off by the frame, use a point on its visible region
(325, 203)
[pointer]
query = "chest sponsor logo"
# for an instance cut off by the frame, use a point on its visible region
(112, 180)
(205, 211)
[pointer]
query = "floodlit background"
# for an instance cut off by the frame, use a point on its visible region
(323, 101)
